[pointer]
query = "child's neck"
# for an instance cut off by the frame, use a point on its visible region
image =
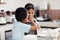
(23, 21)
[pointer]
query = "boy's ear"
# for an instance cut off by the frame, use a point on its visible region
(26, 19)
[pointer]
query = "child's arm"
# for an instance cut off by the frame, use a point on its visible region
(31, 19)
(33, 28)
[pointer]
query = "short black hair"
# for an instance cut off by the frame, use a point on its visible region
(20, 14)
(8, 12)
(29, 6)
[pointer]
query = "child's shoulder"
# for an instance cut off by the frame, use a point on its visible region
(20, 24)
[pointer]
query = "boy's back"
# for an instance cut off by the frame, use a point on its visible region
(19, 29)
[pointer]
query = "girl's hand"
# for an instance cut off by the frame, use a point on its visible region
(31, 18)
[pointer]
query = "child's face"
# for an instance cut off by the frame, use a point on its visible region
(31, 12)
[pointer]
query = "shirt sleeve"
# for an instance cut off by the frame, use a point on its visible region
(27, 28)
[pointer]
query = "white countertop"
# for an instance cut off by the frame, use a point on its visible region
(30, 37)
(6, 27)
(49, 24)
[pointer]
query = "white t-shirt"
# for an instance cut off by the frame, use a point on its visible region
(8, 19)
(2, 20)
(18, 30)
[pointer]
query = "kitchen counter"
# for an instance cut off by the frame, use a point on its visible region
(49, 24)
(7, 27)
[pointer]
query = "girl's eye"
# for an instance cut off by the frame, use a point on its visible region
(32, 12)
(28, 12)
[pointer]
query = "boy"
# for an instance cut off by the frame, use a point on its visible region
(20, 26)
(13, 17)
(8, 17)
(2, 19)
